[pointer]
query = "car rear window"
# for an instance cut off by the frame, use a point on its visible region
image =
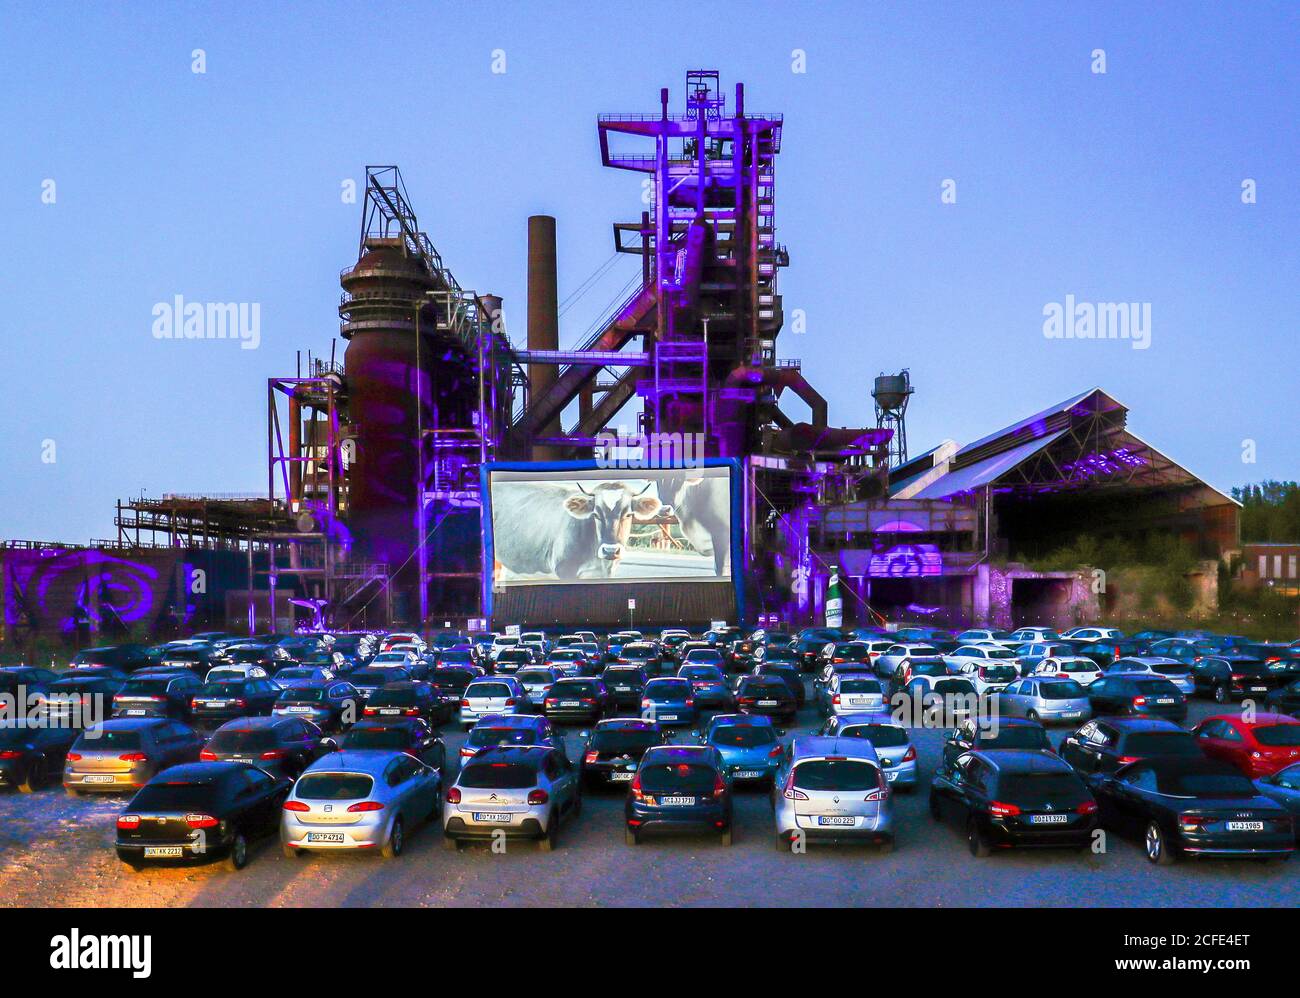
(1015, 736)
(498, 776)
(860, 686)
(569, 688)
(1067, 689)
(487, 690)
(954, 687)
(481, 737)
(303, 694)
(334, 786)
(109, 740)
(224, 689)
(1171, 668)
(243, 741)
(144, 687)
(764, 687)
(1156, 687)
(1144, 744)
(623, 741)
(836, 774)
(879, 735)
(999, 673)
(1278, 735)
(534, 676)
(158, 796)
(395, 697)
(678, 777)
(1206, 785)
(674, 689)
(393, 739)
(743, 735)
(1030, 790)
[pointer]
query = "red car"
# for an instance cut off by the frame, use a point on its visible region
(1258, 748)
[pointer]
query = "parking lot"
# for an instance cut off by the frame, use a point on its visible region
(56, 850)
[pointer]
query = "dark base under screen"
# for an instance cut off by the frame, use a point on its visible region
(605, 604)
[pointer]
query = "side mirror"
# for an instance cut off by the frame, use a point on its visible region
(329, 745)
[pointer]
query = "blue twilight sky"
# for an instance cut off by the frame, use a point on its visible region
(225, 186)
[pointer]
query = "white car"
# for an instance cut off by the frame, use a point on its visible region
(392, 660)
(1027, 634)
(1178, 673)
(536, 639)
(500, 643)
(1082, 670)
(984, 635)
(225, 673)
(492, 695)
(989, 675)
(402, 638)
(985, 653)
(1093, 634)
(888, 661)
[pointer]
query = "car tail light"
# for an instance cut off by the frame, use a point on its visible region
(295, 805)
(690, 702)
(133, 757)
(510, 701)
(538, 796)
(365, 805)
(241, 703)
(207, 755)
(9, 754)
(369, 712)
(1087, 807)
(1139, 701)
(1238, 676)
(775, 753)
(128, 821)
(194, 701)
(74, 757)
(910, 754)
(877, 795)
(274, 754)
(1124, 760)
(635, 789)
(453, 795)
(1003, 810)
(746, 700)
(464, 703)
(835, 698)
(201, 821)
(789, 792)
(1191, 822)
(592, 756)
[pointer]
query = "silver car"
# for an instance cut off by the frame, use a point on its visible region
(1045, 699)
(537, 681)
(493, 695)
(1178, 673)
(359, 800)
(891, 740)
(834, 790)
(519, 791)
(851, 692)
(126, 753)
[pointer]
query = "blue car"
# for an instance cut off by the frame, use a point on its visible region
(669, 701)
(1284, 787)
(750, 746)
(678, 788)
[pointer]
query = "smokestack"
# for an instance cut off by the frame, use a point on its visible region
(543, 317)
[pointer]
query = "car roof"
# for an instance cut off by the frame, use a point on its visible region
(133, 723)
(252, 723)
(372, 762)
(1141, 724)
(753, 720)
(683, 752)
(512, 721)
(528, 755)
(879, 718)
(1019, 761)
(625, 724)
(825, 745)
(199, 772)
(1260, 720)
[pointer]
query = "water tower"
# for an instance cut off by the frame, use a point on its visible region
(891, 393)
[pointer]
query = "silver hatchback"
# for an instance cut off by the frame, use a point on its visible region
(493, 695)
(1045, 699)
(832, 790)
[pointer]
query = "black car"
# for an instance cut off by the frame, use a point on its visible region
(330, 704)
(263, 655)
(612, 752)
(1004, 799)
(644, 654)
(769, 696)
(198, 659)
(199, 812)
(78, 699)
(284, 745)
(368, 680)
(32, 755)
(810, 643)
(413, 699)
(791, 675)
(1228, 678)
(215, 703)
(972, 735)
(578, 700)
(1105, 653)
(157, 694)
(511, 660)
(450, 681)
(1194, 807)
(126, 658)
(1136, 694)
(1285, 699)
(411, 735)
(625, 684)
(1104, 745)
(26, 678)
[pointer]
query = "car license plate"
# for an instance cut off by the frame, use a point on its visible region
(570, 703)
(667, 717)
(1071, 713)
(830, 819)
(620, 777)
(135, 712)
(1048, 819)
(891, 777)
(163, 852)
(298, 710)
(1245, 826)
(1165, 700)
(498, 817)
(748, 774)
(677, 801)
(857, 700)
(97, 779)
(1259, 689)
(389, 711)
(213, 703)
(767, 703)
(336, 837)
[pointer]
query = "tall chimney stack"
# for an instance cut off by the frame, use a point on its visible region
(543, 318)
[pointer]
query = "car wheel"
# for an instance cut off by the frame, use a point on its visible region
(34, 779)
(935, 813)
(979, 846)
(630, 837)
(726, 837)
(1157, 846)
(237, 859)
(1032, 715)
(289, 851)
(396, 841)
(1221, 694)
(551, 839)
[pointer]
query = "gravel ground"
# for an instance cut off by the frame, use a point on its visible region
(57, 851)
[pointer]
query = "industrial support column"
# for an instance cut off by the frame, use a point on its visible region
(543, 320)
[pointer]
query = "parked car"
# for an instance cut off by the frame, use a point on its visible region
(537, 681)
(989, 676)
(669, 701)
(1285, 699)
(300, 675)
(279, 745)
(678, 788)
(331, 706)
(612, 751)
(708, 686)
(78, 700)
(975, 734)
(156, 694)
(32, 755)
(750, 746)
(892, 742)
(125, 754)
(510, 729)
(832, 790)
(790, 675)
(1005, 799)
(411, 735)
(1136, 694)
(25, 678)
(492, 695)
(1045, 699)
(359, 800)
(366, 681)
(124, 658)
(1258, 747)
(215, 703)
(1104, 745)
(1226, 680)
(850, 693)
(518, 791)
(1284, 787)
(199, 812)
(1083, 671)
(1194, 807)
(1178, 673)
(626, 685)
(578, 701)
(411, 699)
